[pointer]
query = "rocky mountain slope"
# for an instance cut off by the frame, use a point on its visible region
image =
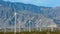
(28, 14)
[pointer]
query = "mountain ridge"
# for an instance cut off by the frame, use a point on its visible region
(7, 10)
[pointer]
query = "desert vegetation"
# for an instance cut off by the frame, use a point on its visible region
(32, 32)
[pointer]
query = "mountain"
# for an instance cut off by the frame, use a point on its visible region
(28, 14)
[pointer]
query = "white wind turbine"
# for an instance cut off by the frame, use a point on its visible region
(6, 23)
(15, 13)
(19, 23)
(38, 24)
(15, 22)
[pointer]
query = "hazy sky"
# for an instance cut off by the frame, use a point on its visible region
(49, 3)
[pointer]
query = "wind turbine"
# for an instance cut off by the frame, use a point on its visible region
(38, 21)
(5, 24)
(19, 22)
(40, 24)
(15, 22)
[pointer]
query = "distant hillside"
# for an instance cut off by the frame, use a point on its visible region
(7, 10)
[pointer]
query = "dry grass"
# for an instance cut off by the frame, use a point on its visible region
(33, 32)
(36, 32)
